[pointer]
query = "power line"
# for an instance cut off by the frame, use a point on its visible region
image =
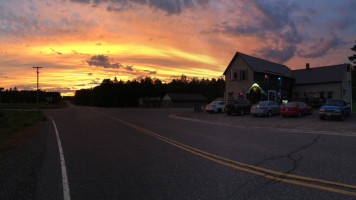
(37, 80)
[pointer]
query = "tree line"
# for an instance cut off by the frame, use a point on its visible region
(114, 93)
(29, 96)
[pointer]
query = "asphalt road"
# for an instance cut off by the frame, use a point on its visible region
(116, 153)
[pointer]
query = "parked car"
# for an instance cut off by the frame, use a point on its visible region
(240, 106)
(335, 108)
(215, 106)
(295, 109)
(267, 108)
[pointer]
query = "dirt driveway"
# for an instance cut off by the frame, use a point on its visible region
(306, 124)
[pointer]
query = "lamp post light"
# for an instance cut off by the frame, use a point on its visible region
(37, 80)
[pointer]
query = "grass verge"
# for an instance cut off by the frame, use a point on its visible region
(17, 120)
(32, 105)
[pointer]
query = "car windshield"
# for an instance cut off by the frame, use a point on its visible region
(334, 102)
(291, 104)
(262, 103)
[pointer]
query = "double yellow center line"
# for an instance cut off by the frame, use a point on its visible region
(267, 173)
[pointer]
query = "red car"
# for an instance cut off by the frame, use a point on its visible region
(295, 109)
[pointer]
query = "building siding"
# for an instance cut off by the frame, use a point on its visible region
(299, 91)
(237, 86)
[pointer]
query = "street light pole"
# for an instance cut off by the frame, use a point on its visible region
(37, 80)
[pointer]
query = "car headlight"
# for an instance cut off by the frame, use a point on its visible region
(321, 110)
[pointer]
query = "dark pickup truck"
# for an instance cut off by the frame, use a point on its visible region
(335, 108)
(239, 106)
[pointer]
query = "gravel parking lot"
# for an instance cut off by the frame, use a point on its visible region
(306, 124)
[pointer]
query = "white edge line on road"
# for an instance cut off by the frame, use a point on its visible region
(66, 194)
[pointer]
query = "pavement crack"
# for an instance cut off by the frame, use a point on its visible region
(293, 156)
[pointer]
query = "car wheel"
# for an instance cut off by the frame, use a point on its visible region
(228, 113)
(322, 117)
(342, 117)
(269, 113)
(311, 111)
(254, 115)
(348, 114)
(242, 112)
(299, 114)
(219, 110)
(284, 115)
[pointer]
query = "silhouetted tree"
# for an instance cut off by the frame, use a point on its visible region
(126, 94)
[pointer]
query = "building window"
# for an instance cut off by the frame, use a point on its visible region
(235, 76)
(279, 80)
(266, 79)
(243, 75)
(322, 95)
(330, 95)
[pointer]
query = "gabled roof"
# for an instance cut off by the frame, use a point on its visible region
(263, 66)
(327, 74)
(186, 97)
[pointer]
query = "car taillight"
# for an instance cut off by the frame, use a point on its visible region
(214, 106)
(262, 108)
(252, 107)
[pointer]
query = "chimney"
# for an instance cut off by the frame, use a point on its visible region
(307, 67)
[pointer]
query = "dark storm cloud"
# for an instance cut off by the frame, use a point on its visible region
(322, 47)
(81, 1)
(169, 6)
(279, 56)
(102, 61)
(272, 22)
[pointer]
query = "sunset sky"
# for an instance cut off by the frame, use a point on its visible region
(81, 42)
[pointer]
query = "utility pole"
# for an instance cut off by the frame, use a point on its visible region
(37, 80)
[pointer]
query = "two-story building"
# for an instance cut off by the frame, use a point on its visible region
(257, 79)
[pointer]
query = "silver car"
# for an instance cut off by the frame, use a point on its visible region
(266, 108)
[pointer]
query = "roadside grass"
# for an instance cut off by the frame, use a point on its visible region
(45, 105)
(17, 120)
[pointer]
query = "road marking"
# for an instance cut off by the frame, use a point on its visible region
(290, 130)
(66, 194)
(267, 173)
